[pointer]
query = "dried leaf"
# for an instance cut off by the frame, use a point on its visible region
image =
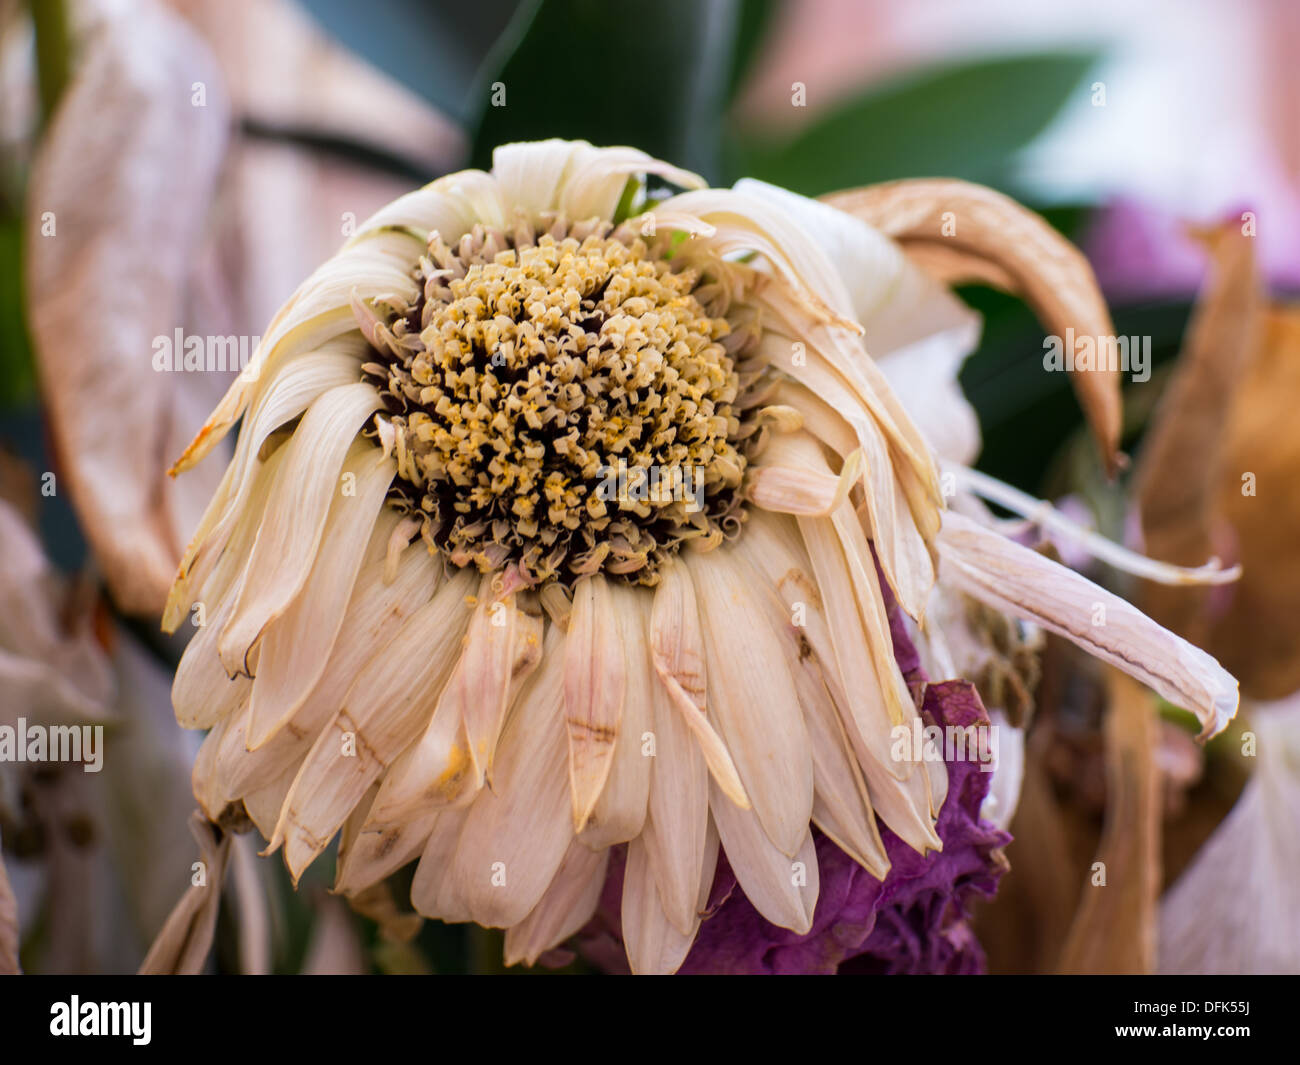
(1216, 472)
(1256, 636)
(1182, 455)
(183, 944)
(117, 198)
(994, 240)
(1114, 930)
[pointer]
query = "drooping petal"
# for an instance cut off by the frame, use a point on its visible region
(290, 531)
(752, 697)
(439, 768)
(516, 834)
(595, 687)
(384, 710)
(374, 615)
(679, 807)
(775, 548)
(297, 645)
(286, 398)
(677, 646)
(620, 810)
(320, 311)
(654, 945)
(1025, 584)
(567, 905)
(783, 887)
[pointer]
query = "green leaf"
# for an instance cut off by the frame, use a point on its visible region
(754, 21)
(17, 378)
(652, 74)
(961, 121)
(436, 48)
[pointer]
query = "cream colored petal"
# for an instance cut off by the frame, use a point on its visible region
(677, 647)
(438, 769)
(595, 687)
(782, 887)
(621, 809)
(1025, 584)
(916, 332)
(818, 416)
(774, 548)
(379, 852)
(859, 631)
(597, 183)
(516, 835)
(374, 615)
(320, 311)
(902, 310)
(449, 206)
(202, 691)
(898, 535)
(209, 790)
(384, 710)
(793, 477)
(532, 175)
(816, 308)
(265, 803)
(569, 903)
(302, 382)
(654, 945)
(753, 699)
(291, 527)
(434, 891)
(679, 807)
(841, 807)
(503, 646)
(297, 644)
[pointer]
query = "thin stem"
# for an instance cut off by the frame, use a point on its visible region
(1040, 512)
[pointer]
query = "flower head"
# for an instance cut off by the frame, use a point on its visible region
(549, 530)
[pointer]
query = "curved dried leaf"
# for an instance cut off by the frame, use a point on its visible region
(1114, 930)
(116, 202)
(1182, 456)
(997, 240)
(183, 944)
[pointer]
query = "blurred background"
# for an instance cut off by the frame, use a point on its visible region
(210, 153)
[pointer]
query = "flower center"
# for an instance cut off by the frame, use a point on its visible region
(562, 402)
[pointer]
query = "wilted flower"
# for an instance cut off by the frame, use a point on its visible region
(554, 524)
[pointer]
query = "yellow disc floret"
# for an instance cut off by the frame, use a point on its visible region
(562, 402)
